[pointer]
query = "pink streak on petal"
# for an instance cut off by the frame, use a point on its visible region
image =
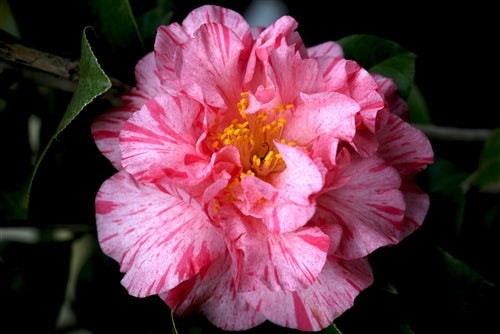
(316, 307)
(404, 147)
(303, 321)
(287, 261)
(224, 16)
(149, 232)
(210, 65)
(158, 140)
(212, 293)
(327, 50)
(369, 208)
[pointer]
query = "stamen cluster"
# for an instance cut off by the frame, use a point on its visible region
(254, 135)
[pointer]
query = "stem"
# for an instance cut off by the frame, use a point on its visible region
(47, 69)
(454, 133)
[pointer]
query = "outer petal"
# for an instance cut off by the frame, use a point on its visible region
(212, 293)
(106, 132)
(369, 207)
(417, 205)
(397, 104)
(160, 141)
(288, 261)
(347, 77)
(106, 127)
(148, 82)
(316, 307)
(404, 147)
(224, 16)
(325, 52)
(210, 67)
(168, 40)
(150, 233)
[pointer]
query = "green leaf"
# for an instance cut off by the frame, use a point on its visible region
(382, 56)
(488, 173)
(93, 82)
(332, 329)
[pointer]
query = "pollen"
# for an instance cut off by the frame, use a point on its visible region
(254, 134)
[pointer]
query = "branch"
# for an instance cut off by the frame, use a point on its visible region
(454, 133)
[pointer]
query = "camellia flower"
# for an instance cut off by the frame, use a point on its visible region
(255, 175)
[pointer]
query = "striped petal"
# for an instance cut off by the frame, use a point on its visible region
(168, 40)
(212, 294)
(316, 307)
(147, 80)
(288, 261)
(326, 113)
(347, 77)
(283, 201)
(106, 132)
(210, 67)
(369, 207)
(325, 52)
(397, 105)
(160, 141)
(106, 127)
(417, 205)
(160, 240)
(216, 14)
(404, 147)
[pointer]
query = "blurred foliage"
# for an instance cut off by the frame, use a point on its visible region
(443, 278)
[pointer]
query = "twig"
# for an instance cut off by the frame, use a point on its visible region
(47, 69)
(454, 133)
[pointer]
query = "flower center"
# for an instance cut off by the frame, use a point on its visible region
(254, 135)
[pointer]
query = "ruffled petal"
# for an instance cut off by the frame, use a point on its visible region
(168, 40)
(215, 14)
(288, 261)
(397, 105)
(160, 141)
(325, 52)
(370, 207)
(417, 205)
(210, 67)
(106, 132)
(316, 307)
(326, 113)
(283, 201)
(347, 77)
(106, 127)
(272, 36)
(147, 82)
(404, 147)
(212, 294)
(301, 178)
(150, 233)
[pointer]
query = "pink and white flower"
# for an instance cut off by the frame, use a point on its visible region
(255, 175)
